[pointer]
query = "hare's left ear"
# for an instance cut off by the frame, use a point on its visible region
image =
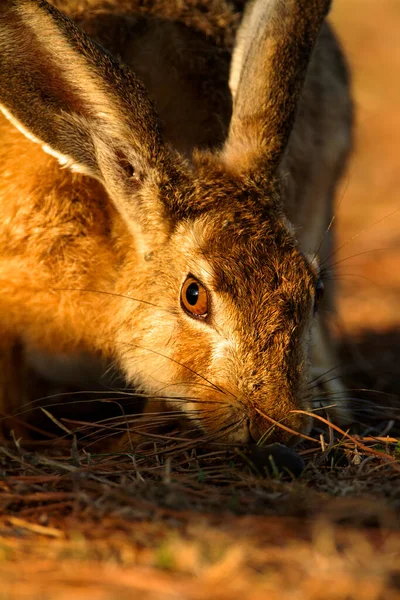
(65, 92)
(269, 65)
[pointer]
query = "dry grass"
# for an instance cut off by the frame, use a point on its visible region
(169, 521)
(174, 521)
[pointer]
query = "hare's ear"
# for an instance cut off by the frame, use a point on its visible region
(273, 48)
(68, 94)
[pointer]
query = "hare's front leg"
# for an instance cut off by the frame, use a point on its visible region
(12, 384)
(155, 419)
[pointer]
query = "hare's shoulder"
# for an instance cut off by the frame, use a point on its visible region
(44, 205)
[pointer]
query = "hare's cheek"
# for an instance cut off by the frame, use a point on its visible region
(192, 355)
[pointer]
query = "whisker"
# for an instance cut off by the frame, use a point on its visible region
(285, 428)
(172, 385)
(312, 381)
(338, 276)
(58, 404)
(114, 294)
(360, 233)
(348, 179)
(316, 253)
(134, 396)
(325, 381)
(338, 262)
(365, 390)
(130, 418)
(219, 389)
(231, 427)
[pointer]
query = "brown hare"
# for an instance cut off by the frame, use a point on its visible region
(162, 206)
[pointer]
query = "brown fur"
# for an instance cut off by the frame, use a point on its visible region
(96, 266)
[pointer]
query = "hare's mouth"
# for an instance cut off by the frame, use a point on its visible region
(231, 425)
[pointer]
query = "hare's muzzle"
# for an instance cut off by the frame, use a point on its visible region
(242, 422)
(287, 430)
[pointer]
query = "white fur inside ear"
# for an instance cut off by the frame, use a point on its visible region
(65, 161)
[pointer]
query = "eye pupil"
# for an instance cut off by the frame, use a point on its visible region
(192, 294)
(194, 298)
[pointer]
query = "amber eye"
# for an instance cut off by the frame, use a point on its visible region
(319, 294)
(194, 297)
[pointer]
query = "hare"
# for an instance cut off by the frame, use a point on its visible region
(163, 205)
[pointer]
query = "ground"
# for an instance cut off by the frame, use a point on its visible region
(169, 524)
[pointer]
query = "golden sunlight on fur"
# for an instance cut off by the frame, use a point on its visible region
(129, 165)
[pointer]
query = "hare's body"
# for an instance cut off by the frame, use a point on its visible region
(79, 276)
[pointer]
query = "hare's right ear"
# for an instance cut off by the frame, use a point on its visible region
(68, 94)
(273, 48)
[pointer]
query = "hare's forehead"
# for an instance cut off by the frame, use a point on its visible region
(215, 244)
(195, 234)
(204, 243)
(191, 242)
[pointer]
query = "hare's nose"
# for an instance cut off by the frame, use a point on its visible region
(251, 432)
(251, 439)
(257, 429)
(261, 429)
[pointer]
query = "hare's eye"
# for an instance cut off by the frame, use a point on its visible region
(194, 298)
(319, 294)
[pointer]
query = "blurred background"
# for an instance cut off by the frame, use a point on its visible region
(368, 213)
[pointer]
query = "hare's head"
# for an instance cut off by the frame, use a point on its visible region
(228, 299)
